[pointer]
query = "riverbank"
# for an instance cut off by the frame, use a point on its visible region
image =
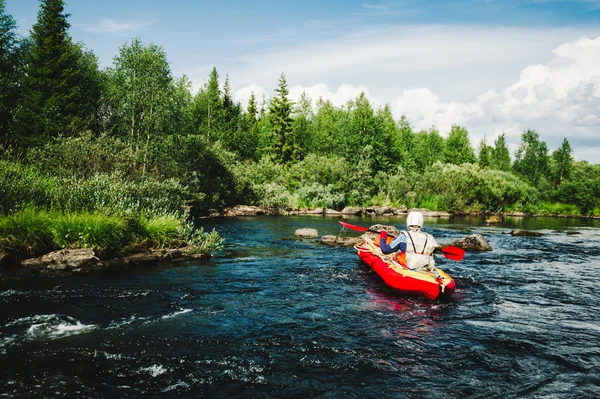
(51, 240)
(370, 211)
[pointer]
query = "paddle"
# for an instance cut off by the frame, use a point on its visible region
(452, 253)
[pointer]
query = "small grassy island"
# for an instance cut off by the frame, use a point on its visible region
(124, 158)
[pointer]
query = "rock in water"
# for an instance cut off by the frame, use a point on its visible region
(66, 259)
(474, 242)
(525, 233)
(493, 219)
(306, 233)
(341, 241)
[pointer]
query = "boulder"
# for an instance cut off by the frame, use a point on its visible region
(402, 210)
(3, 256)
(352, 210)
(306, 233)
(569, 233)
(525, 233)
(333, 212)
(493, 219)
(244, 210)
(153, 256)
(474, 242)
(318, 211)
(379, 210)
(341, 241)
(66, 259)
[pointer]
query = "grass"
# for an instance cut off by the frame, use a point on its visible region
(556, 208)
(32, 231)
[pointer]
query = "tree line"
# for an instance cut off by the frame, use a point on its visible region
(68, 123)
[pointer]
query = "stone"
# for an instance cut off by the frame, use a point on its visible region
(525, 233)
(341, 241)
(569, 233)
(402, 210)
(244, 210)
(66, 259)
(389, 229)
(352, 210)
(378, 210)
(333, 212)
(306, 233)
(493, 219)
(474, 242)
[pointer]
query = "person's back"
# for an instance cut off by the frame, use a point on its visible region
(415, 243)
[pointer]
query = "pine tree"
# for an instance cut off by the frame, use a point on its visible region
(485, 154)
(282, 145)
(9, 73)
(563, 163)
(207, 108)
(252, 110)
(500, 154)
(61, 89)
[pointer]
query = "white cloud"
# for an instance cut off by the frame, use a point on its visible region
(243, 95)
(490, 80)
(112, 26)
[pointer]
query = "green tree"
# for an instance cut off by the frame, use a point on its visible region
(531, 158)
(207, 108)
(563, 162)
(302, 126)
(252, 110)
(326, 123)
(141, 87)
(405, 144)
(485, 154)
(458, 148)
(282, 146)
(61, 91)
(500, 154)
(428, 148)
(9, 73)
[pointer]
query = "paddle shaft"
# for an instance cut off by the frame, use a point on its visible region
(453, 253)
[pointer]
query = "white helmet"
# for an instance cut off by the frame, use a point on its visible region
(414, 219)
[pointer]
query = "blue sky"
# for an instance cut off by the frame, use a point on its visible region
(492, 66)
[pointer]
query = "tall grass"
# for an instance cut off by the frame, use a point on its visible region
(33, 231)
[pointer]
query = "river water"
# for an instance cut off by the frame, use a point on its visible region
(275, 317)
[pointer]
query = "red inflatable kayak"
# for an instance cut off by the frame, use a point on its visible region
(403, 280)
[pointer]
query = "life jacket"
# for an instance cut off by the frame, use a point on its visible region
(419, 249)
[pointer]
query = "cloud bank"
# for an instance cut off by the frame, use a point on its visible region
(559, 97)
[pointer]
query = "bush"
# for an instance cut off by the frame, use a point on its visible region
(318, 195)
(101, 232)
(33, 231)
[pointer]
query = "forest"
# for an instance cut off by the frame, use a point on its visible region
(134, 142)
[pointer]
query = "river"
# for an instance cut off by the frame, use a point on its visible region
(271, 316)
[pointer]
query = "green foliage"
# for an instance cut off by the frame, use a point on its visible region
(281, 145)
(562, 163)
(531, 159)
(28, 232)
(274, 195)
(10, 67)
(469, 187)
(32, 231)
(61, 87)
(318, 195)
(582, 189)
(485, 154)
(101, 232)
(500, 158)
(458, 148)
(428, 148)
(557, 208)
